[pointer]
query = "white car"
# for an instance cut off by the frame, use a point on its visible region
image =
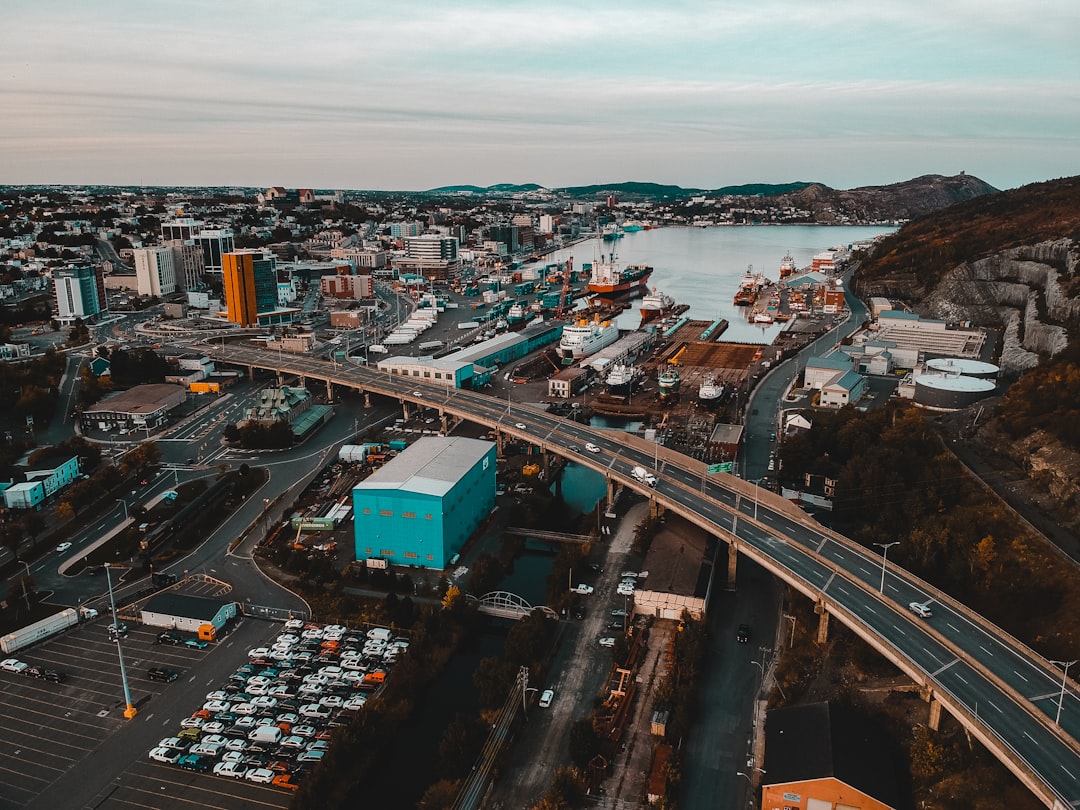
(918, 608)
(60, 549)
(302, 732)
(314, 710)
(294, 741)
(262, 776)
(310, 756)
(215, 706)
(546, 698)
(166, 755)
(259, 652)
(607, 641)
(583, 589)
(625, 590)
(206, 750)
(354, 703)
(592, 448)
(521, 426)
(13, 665)
(231, 769)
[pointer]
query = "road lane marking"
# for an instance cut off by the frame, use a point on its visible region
(1001, 712)
(961, 678)
(981, 647)
(953, 627)
(866, 570)
(1021, 677)
(1070, 773)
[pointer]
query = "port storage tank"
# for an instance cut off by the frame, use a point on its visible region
(968, 368)
(951, 392)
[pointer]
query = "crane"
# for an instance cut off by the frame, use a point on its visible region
(567, 268)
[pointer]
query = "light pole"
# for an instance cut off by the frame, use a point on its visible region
(884, 557)
(123, 503)
(1064, 678)
(791, 618)
(26, 584)
(130, 711)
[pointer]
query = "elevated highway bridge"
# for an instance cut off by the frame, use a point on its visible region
(1017, 703)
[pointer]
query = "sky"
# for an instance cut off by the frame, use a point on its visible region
(400, 95)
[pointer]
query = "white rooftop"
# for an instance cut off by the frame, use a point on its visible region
(429, 466)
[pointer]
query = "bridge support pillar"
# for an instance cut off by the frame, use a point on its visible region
(732, 563)
(444, 425)
(367, 400)
(935, 714)
(251, 372)
(656, 509)
(303, 381)
(610, 492)
(329, 390)
(823, 622)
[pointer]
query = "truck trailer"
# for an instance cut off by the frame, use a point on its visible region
(43, 629)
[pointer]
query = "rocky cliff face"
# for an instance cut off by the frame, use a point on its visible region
(1024, 290)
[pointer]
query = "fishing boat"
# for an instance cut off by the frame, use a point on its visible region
(622, 378)
(582, 338)
(787, 266)
(668, 381)
(608, 279)
(710, 392)
(656, 304)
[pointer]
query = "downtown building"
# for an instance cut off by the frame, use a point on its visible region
(251, 289)
(79, 293)
(432, 256)
(155, 271)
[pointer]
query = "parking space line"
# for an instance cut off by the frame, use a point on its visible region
(25, 747)
(25, 775)
(22, 719)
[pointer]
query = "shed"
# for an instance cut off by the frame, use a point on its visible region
(182, 611)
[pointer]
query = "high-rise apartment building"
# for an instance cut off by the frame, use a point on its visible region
(433, 256)
(187, 264)
(402, 230)
(251, 289)
(79, 293)
(155, 272)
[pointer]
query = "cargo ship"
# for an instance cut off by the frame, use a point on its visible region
(583, 338)
(655, 305)
(787, 266)
(606, 278)
(668, 382)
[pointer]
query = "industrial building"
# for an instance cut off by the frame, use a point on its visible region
(421, 507)
(194, 614)
(680, 565)
(143, 407)
(39, 485)
(823, 756)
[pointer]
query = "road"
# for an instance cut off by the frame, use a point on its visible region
(1004, 692)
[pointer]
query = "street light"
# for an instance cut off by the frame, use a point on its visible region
(884, 557)
(130, 711)
(124, 504)
(26, 584)
(1064, 678)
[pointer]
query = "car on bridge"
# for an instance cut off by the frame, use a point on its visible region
(592, 448)
(521, 426)
(921, 610)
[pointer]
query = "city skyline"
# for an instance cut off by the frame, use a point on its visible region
(692, 94)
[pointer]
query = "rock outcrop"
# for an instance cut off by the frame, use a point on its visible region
(1024, 290)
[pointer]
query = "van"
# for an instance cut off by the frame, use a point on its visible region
(379, 634)
(266, 734)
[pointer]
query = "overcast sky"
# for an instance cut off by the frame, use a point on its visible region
(415, 95)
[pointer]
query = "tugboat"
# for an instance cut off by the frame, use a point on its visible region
(710, 392)
(621, 379)
(668, 381)
(656, 304)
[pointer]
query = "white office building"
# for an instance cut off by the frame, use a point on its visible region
(155, 272)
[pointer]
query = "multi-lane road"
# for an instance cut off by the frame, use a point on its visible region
(1005, 693)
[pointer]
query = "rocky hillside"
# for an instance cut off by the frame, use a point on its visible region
(907, 200)
(1010, 260)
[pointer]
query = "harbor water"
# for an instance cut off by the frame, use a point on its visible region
(701, 267)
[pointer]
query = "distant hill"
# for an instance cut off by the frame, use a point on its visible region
(916, 257)
(499, 189)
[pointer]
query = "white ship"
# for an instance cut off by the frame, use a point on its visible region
(621, 379)
(583, 338)
(656, 304)
(710, 391)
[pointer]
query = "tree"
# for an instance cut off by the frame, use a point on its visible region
(451, 599)
(460, 745)
(64, 512)
(584, 744)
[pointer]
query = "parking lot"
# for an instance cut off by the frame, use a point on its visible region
(69, 745)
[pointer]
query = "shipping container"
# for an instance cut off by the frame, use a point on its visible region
(39, 630)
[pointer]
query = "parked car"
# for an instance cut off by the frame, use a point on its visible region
(162, 674)
(284, 780)
(193, 762)
(197, 643)
(262, 776)
(310, 756)
(583, 589)
(169, 637)
(118, 629)
(167, 755)
(231, 769)
(546, 698)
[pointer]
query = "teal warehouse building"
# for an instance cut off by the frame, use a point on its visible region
(421, 507)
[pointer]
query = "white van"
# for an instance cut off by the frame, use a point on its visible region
(379, 634)
(266, 734)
